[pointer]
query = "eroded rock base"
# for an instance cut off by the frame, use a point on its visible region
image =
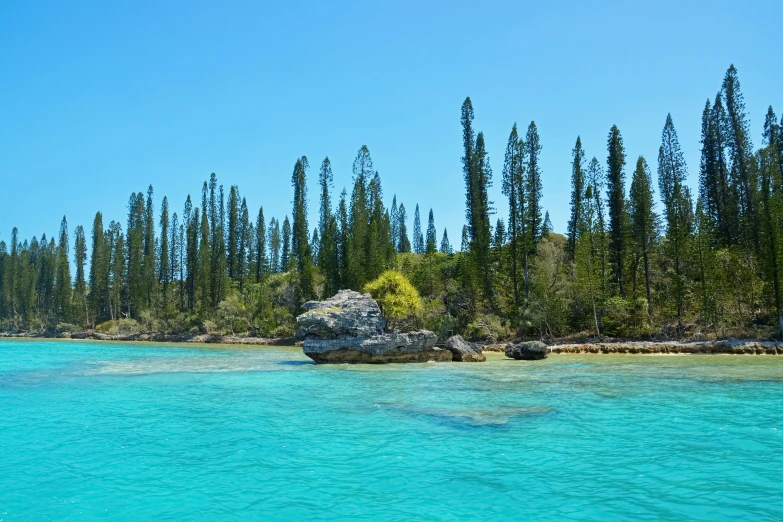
(350, 355)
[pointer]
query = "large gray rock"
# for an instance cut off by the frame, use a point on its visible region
(349, 328)
(528, 351)
(464, 351)
(384, 348)
(346, 314)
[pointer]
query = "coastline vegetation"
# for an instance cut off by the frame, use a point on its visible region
(663, 264)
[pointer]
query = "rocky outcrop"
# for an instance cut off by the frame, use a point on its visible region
(349, 328)
(347, 314)
(464, 351)
(528, 351)
(385, 348)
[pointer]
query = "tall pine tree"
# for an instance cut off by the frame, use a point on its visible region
(432, 239)
(577, 194)
(418, 237)
(643, 222)
(678, 209)
(618, 217)
(514, 188)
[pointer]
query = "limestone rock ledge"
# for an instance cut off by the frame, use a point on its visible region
(385, 348)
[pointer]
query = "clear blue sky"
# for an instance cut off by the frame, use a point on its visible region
(103, 98)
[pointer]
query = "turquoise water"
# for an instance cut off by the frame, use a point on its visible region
(134, 431)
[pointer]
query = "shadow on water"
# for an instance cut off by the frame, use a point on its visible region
(468, 419)
(296, 363)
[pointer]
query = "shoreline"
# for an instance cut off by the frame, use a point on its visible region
(720, 347)
(156, 338)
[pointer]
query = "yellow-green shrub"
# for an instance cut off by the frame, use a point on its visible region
(396, 296)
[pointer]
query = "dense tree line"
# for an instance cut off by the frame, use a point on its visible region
(633, 261)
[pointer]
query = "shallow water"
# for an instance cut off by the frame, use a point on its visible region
(133, 431)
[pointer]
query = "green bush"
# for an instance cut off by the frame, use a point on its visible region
(120, 326)
(396, 296)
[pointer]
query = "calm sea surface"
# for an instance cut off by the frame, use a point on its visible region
(135, 431)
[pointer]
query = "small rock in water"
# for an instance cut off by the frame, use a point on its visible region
(528, 351)
(464, 351)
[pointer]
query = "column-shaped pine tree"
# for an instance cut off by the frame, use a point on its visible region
(379, 251)
(99, 270)
(618, 216)
(432, 234)
(218, 260)
(498, 240)
(150, 275)
(482, 229)
(740, 150)
(62, 289)
(245, 241)
(725, 191)
(678, 207)
(577, 194)
(404, 244)
(204, 286)
(395, 223)
(773, 135)
(261, 258)
(232, 245)
(173, 248)
(596, 178)
(445, 246)
(358, 221)
(418, 237)
(587, 251)
(119, 276)
(342, 239)
(327, 232)
(80, 284)
(533, 220)
(164, 267)
(771, 202)
(300, 243)
(514, 189)
(285, 255)
(546, 228)
(300, 234)
(134, 245)
(643, 222)
(275, 243)
(191, 221)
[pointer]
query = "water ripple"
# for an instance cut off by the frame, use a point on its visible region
(136, 432)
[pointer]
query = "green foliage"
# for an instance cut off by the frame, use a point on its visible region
(618, 215)
(717, 268)
(119, 326)
(395, 294)
(488, 328)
